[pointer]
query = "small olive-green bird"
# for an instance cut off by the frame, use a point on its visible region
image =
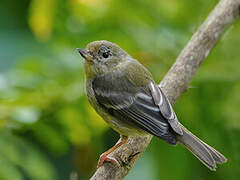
(124, 94)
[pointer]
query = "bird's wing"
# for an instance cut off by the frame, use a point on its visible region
(133, 105)
(165, 107)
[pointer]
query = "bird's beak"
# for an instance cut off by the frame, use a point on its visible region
(84, 53)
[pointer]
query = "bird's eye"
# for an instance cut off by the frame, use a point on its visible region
(105, 54)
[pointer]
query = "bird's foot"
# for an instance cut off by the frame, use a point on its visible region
(104, 158)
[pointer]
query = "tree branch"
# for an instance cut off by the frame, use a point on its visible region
(176, 82)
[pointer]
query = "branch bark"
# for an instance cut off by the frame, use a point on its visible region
(176, 82)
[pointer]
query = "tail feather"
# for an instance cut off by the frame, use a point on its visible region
(217, 156)
(205, 153)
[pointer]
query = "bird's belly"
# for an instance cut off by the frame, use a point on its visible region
(124, 128)
(118, 125)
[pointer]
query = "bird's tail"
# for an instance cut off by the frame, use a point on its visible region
(205, 153)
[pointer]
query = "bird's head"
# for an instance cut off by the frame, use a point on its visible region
(101, 57)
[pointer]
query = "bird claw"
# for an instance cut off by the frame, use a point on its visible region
(103, 158)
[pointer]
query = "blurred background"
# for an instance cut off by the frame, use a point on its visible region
(48, 131)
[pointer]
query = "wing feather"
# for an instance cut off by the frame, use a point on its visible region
(165, 107)
(133, 105)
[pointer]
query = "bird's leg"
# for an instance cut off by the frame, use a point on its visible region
(104, 157)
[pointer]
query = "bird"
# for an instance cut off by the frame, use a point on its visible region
(123, 92)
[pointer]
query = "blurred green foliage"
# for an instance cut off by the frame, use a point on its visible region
(48, 129)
